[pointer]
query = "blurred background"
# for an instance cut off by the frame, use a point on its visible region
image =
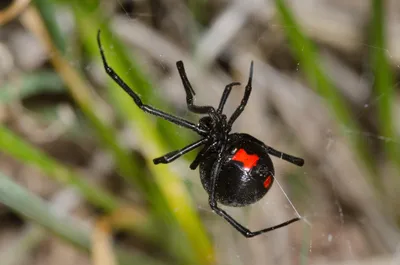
(77, 182)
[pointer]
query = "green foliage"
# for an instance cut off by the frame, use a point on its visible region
(30, 85)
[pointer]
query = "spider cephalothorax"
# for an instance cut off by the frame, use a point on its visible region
(235, 168)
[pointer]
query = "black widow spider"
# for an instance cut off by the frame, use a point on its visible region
(235, 168)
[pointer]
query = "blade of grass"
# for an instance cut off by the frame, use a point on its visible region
(34, 208)
(47, 12)
(12, 11)
(31, 84)
(21, 150)
(102, 250)
(384, 87)
(307, 55)
(18, 251)
(305, 244)
(29, 206)
(32, 235)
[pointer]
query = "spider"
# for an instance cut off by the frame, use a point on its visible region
(235, 168)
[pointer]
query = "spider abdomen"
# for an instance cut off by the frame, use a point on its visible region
(246, 172)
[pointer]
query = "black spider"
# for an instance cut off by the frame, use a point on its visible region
(235, 168)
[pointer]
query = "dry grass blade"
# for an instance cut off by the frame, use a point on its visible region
(79, 89)
(14, 10)
(102, 250)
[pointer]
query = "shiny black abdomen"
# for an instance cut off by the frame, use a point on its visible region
(246, 173)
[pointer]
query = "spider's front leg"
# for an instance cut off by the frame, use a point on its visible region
(190, 92)
(225, 95)
(146, 108)
(245, 99)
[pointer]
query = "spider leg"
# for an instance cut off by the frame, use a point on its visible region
(201, 155)
(243, 230)
(146, 108)
(246, 96)
(171, 156)
(240, 228)
(289, 158)
(225, 95)
(190, 92)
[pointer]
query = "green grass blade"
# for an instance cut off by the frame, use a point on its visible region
(31, 84)
(305, 244)
(26, 153)
(384, 87)
(306, 53)
(47, 11)
(34, 208)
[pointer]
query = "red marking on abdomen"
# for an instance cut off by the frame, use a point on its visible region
(249, 161)
(267, 182)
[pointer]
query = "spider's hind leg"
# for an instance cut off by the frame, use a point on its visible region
(201, 156)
